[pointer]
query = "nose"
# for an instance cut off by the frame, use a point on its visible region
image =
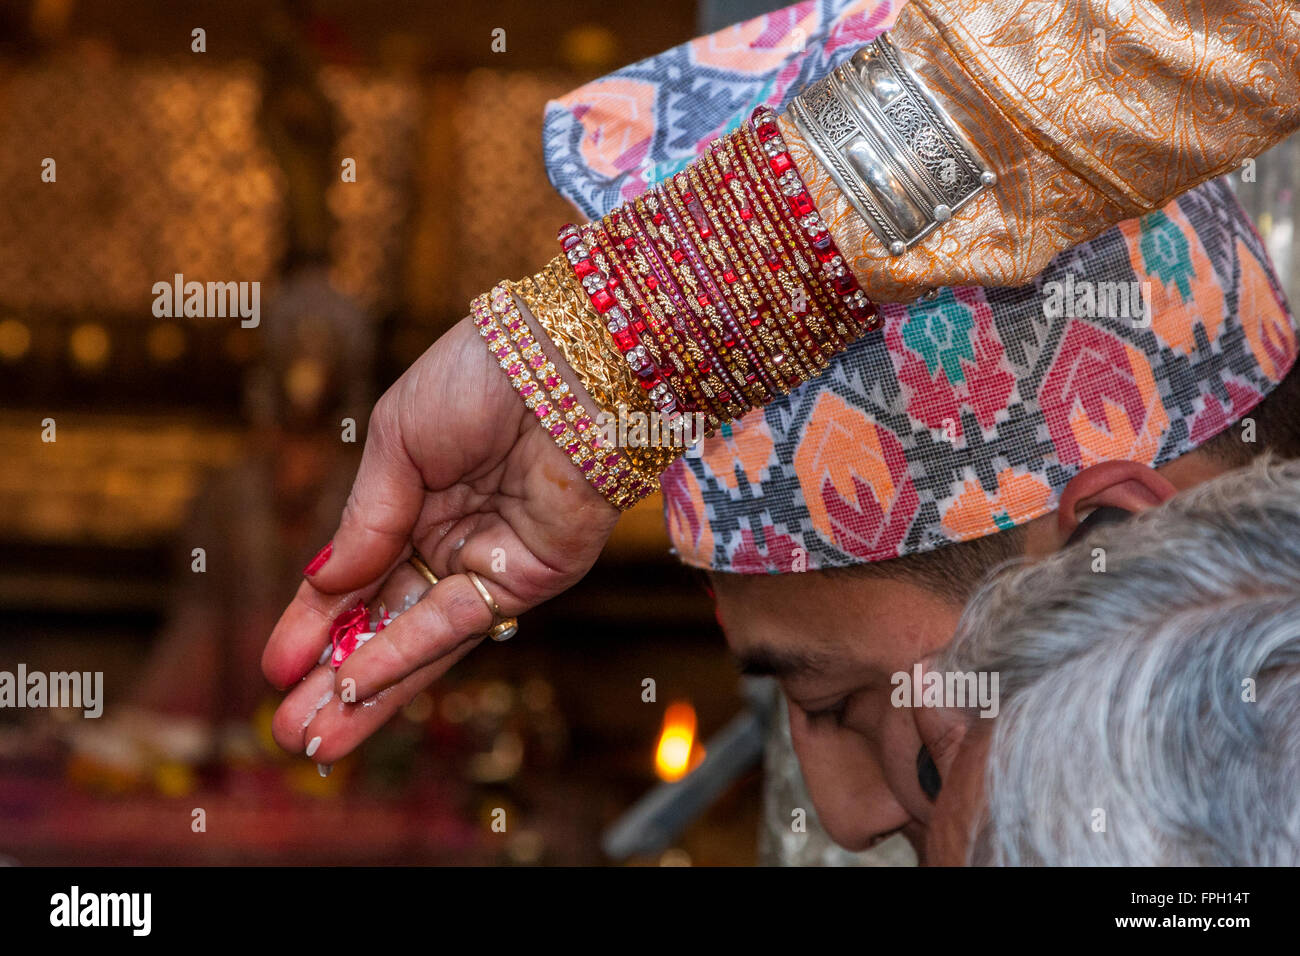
(846, 782)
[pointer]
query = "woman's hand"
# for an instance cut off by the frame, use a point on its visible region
(456, 466)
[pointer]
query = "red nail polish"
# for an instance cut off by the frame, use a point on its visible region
(318, 562)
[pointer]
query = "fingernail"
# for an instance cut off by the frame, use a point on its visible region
(324, 769)
(318, 562)
(313, 746)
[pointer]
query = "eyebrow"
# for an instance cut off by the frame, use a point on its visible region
(764, 661)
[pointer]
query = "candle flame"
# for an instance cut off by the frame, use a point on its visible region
(677, 753)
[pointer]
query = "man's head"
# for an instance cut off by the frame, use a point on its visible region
(846, 524)
(835, 638)
(1147, 712)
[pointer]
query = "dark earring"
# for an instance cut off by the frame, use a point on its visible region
(927, 774)
(1099, 518)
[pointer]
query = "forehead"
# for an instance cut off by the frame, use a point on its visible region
(816, 622)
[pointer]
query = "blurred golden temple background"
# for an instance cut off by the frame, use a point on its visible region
(225, 165)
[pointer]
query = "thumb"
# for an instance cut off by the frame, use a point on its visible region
(380, 513)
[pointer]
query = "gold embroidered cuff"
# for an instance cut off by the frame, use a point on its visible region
(1077, 144)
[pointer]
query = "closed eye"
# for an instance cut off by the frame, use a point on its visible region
(834, 712)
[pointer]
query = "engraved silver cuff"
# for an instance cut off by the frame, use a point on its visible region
(892, 150)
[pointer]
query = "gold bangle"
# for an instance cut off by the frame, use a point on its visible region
(560, 306)
(543, 390)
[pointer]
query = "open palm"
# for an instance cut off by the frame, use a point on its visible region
(457, 468)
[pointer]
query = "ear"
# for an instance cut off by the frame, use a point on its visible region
(1128, 485)
(941, 729)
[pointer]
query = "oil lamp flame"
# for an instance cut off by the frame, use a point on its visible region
(677, 753)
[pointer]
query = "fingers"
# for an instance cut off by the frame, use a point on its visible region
(446, 620)
(514, 577)
(300, 707)
(402, 590)
(380, 513)
(303, 630)
(313, 710)
(520, 573)
(344, 707)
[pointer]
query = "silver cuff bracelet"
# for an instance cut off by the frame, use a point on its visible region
(892, 150)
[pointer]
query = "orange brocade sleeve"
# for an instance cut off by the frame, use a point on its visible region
(1089, 111)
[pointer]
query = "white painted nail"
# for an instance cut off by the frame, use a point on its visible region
(313, 746)
(324, 769)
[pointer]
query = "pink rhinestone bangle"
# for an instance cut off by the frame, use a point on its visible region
(543, 390)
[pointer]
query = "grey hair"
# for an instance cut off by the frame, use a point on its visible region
(1125, 691)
